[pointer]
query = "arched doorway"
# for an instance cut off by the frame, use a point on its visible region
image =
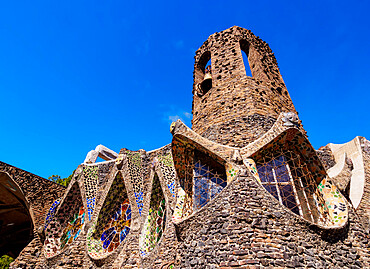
(16, 227)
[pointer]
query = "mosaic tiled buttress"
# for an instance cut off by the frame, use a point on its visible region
(51, 212)
(134, 163)
(251, 165)
(183, 156)
(156, 220)
(66, 225)
(90, 178)
(178, 212)
(168, 171)
(334, 202)
(114, 221)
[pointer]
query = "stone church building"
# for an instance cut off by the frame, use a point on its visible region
(242, 188)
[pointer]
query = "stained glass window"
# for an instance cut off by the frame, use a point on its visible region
(66, 225)
(201, 177)
(73, 229)
(207, 183)
(117, 228)
(285, 175)
(277, 180)
(114, 221)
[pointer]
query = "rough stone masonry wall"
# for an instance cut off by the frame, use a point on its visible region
(326, 157)
(237, 109)
(245, 227)
(364, 207)
(40, 193)
(226, 115)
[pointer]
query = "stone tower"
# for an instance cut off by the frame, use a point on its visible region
(230, 107)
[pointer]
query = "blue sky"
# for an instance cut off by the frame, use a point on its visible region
(75, 74)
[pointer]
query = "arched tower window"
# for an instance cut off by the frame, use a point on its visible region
(244, 47)
(203, 74)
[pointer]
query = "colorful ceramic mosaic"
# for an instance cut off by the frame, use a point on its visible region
(183, 156)
(90, 178)
(232, 172)
(285, 174)
(135, 163)
(114, 221)
(119, 159)
(168, 171)
(334, 202)
(178, 212)
(67, 223)
(156, 220)
(251, 165)
(73, 228)
(200, 176)
(51, 212)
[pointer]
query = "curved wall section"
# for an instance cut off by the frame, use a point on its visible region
(67, 223)
(114, 221)
(156, 219)
(15, 220)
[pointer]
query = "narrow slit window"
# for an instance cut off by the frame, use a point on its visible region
(244, 47)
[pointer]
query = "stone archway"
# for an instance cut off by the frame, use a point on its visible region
(16, 225)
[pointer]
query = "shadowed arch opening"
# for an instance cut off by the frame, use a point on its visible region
(67, 223)
(156, 220)
(114, 221)
(16, 226)
(203, 74)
